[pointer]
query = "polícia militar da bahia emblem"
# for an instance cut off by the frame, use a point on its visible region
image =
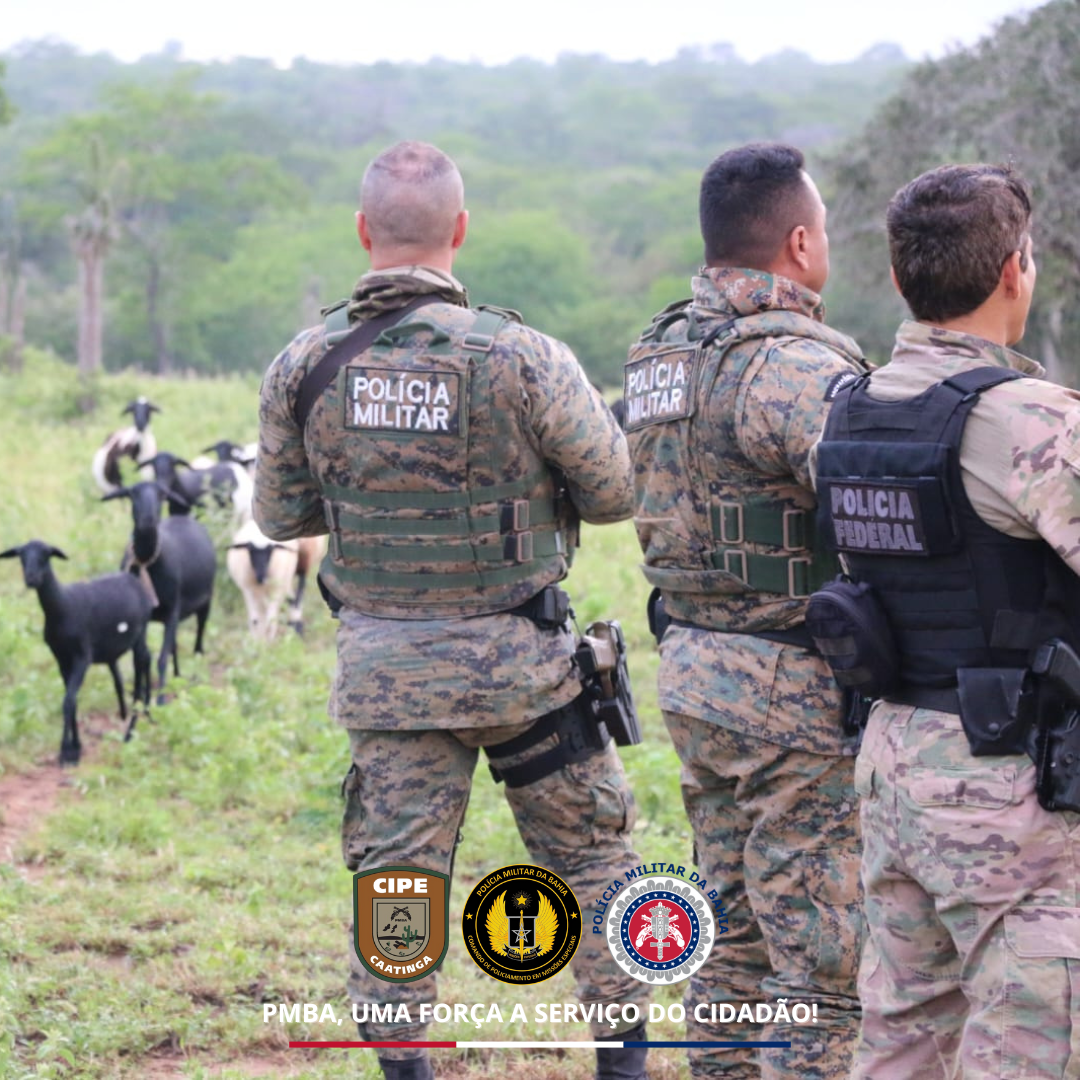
(521, 924)
(660, 930)
(401, 920)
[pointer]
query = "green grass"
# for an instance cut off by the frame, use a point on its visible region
(187, 877)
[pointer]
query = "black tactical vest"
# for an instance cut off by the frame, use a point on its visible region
(959, 593)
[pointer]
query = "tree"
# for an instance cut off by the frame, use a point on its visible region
(1013, 97)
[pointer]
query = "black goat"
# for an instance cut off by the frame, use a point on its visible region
(177, 557)
(89, 622)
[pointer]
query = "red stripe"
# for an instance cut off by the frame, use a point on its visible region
(371, 1045)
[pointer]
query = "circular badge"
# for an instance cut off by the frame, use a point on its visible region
(660, 930)
(521, 924)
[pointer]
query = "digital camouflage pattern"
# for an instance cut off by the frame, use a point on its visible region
(406, 803)
(972, 966)
(972, 890)
(767, 772)
(434, 673)
(401, 683)
(753, 423)
(776, 832)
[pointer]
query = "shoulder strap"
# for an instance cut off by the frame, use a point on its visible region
(346, 349)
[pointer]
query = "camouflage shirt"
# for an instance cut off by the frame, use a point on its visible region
(1020, 455)
(487, 670)
(766, 419)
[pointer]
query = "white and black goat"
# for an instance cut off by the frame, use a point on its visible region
(263, 570)
(135, 442)
(176, 557)
(89, 622)
(227, 481)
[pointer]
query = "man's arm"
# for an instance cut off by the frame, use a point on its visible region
(287, 502)
(576, 431)
(784, 403)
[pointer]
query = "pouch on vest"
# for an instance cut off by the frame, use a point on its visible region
(997, 709)
(849, 626)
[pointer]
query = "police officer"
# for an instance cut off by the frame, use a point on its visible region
(951, 481)
(449, 461)
(725, 394)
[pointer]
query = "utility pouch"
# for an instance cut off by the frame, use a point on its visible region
(656, 613)
(601, 661)
(331, 601)
(1057, 744)
(851, 630)
(997, 709)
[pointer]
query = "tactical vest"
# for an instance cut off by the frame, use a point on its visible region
(713, 527)
(436, 502)
(958, 593)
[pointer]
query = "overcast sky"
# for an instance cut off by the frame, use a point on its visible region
(495, 32)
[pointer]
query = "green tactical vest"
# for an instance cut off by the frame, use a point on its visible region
(437, 504)
(730, 547)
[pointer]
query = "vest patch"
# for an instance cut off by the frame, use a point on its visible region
(877, 517)
(658, 388)
(838, 382)
(411, 401)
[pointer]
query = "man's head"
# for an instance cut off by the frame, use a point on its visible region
(412, 207)
(959, 235)
(759, 209)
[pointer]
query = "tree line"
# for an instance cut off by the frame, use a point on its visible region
(168, 215)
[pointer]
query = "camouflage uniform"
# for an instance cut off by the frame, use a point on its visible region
(972, 964)
(421, 694)
(766, 769)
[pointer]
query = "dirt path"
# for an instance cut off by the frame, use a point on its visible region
(26, 799)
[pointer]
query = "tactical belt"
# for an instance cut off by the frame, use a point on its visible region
(578, 740)
(926, 697)
(794, 635)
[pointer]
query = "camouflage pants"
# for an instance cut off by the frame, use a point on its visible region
(776, 832)
(406, 803)
(972, 966)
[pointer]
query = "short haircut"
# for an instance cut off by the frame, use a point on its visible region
(411, 196)
(751, 198)
(951, 231)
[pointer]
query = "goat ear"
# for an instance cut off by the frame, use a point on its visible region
(56, 553)
(10, 553)
(181, 461)
(129, 407)
(153, 407)
(119, 493)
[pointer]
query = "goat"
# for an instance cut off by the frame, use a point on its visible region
(310, 554)
(262, 569)
(89, 622)
(229, 482)
(176, 558)
(135, 442)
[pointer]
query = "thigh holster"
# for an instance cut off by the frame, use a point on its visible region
(578, 734)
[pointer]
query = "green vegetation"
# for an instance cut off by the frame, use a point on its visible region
(210, 207)
(187, 877)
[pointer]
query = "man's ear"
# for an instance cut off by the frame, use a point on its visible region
(796, 247)
(461, 227)
(895, 283)
(362, 230)
(1011, 275)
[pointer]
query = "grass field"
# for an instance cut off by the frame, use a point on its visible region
(152, 899)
